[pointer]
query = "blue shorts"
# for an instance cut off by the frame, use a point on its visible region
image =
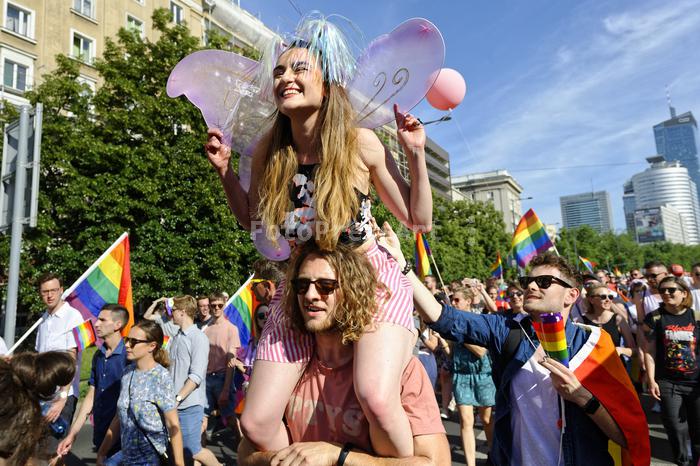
(214, 386)
(191, 425)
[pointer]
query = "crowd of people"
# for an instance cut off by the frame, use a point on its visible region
(350, 344)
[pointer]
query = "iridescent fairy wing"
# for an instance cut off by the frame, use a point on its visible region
(396, 68)
(223, 86)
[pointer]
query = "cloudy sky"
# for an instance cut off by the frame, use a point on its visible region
(562, 94)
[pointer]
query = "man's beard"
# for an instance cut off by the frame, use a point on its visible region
(329, 324)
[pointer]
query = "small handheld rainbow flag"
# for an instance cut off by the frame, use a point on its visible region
(84, 335)
(166, 340)
(239, 311)
(529, 239)
(107, 280)
(550, 332)
(589, 265)
(497, 268)
(502, 303)
(422, 256)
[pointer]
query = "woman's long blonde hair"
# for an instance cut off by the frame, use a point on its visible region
(338, 151)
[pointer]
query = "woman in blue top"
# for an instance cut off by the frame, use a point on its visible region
(146, 403)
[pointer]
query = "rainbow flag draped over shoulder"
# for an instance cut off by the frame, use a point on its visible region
(107, 280)
(84, 335)
(589, 265)
(422, 256)
(497, 268)
(598, 367)
(529, 239)
(239, 311)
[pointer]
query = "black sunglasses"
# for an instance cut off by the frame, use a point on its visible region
(324, 286)
(133, 341)
(261, 315)
(654, 276)
(515, 294)
(543, 281)
(671, 291)
(604, 296)
(216, 306)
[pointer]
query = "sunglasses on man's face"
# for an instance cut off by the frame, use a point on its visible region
(216, 306)
(670, 290)
(655, 276)
(543, 281)
(324, 286)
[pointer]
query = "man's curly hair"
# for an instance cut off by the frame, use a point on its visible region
(358, 295)
(549, 259)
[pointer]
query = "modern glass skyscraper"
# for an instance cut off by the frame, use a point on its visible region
(591, 209)
(677, 139)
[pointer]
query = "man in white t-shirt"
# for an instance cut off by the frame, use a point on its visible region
(55, 334)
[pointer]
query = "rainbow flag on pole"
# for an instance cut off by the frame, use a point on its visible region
(84, 335)
(239, 311)
(589, 265)
(107, 280)
(422, 256)
(497, 268)
(529, 239)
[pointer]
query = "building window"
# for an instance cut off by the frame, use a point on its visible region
(134, 24)
(177, 12)
(83, 48)
(15, 76)
(19, 20)
(85, 7)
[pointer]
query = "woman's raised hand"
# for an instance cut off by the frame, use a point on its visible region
(411, 132)
(218, 153)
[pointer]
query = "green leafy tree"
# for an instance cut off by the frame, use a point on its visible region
(129, 158)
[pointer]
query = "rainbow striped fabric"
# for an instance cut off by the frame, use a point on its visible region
(502, 303)
(600, 370)
(497, 268)
(422, 256)
(589, 265)
(84, 335)
(550, 332)
(107, 280)
(529, 239)
(166, 340)
(239, 311)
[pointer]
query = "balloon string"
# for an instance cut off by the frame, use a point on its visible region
(464, 138)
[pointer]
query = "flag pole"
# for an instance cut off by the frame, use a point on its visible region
(94, 266)
(239, 291)
(444, 288)
(26, 334)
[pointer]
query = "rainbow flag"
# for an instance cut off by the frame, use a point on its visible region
(529, 239)
(598, 367)
(239, 311)
(166, 340)
(84, 335)
(422, 256)
(502, 303)
(107, 280)
(589, 265)
(497, 268)
(617, 272)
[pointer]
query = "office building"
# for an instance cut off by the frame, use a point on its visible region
(677, 139)
(667, 183)
(663, 223)
(592, 209)
(497, 187)
(629, 206)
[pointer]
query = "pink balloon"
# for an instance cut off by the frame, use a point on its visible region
(448, 90)
(274, 252)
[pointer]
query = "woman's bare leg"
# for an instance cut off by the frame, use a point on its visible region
(380, 358)
(271, 386)
(466, 421)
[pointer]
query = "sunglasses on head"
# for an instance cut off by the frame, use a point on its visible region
(515, 294)
(543, 281)
(604, 296)
(670, 290)
(133, 341)
(324, 286)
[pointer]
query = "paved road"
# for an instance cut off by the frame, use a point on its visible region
(222, 445)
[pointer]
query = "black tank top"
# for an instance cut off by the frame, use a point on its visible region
(610, 326)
